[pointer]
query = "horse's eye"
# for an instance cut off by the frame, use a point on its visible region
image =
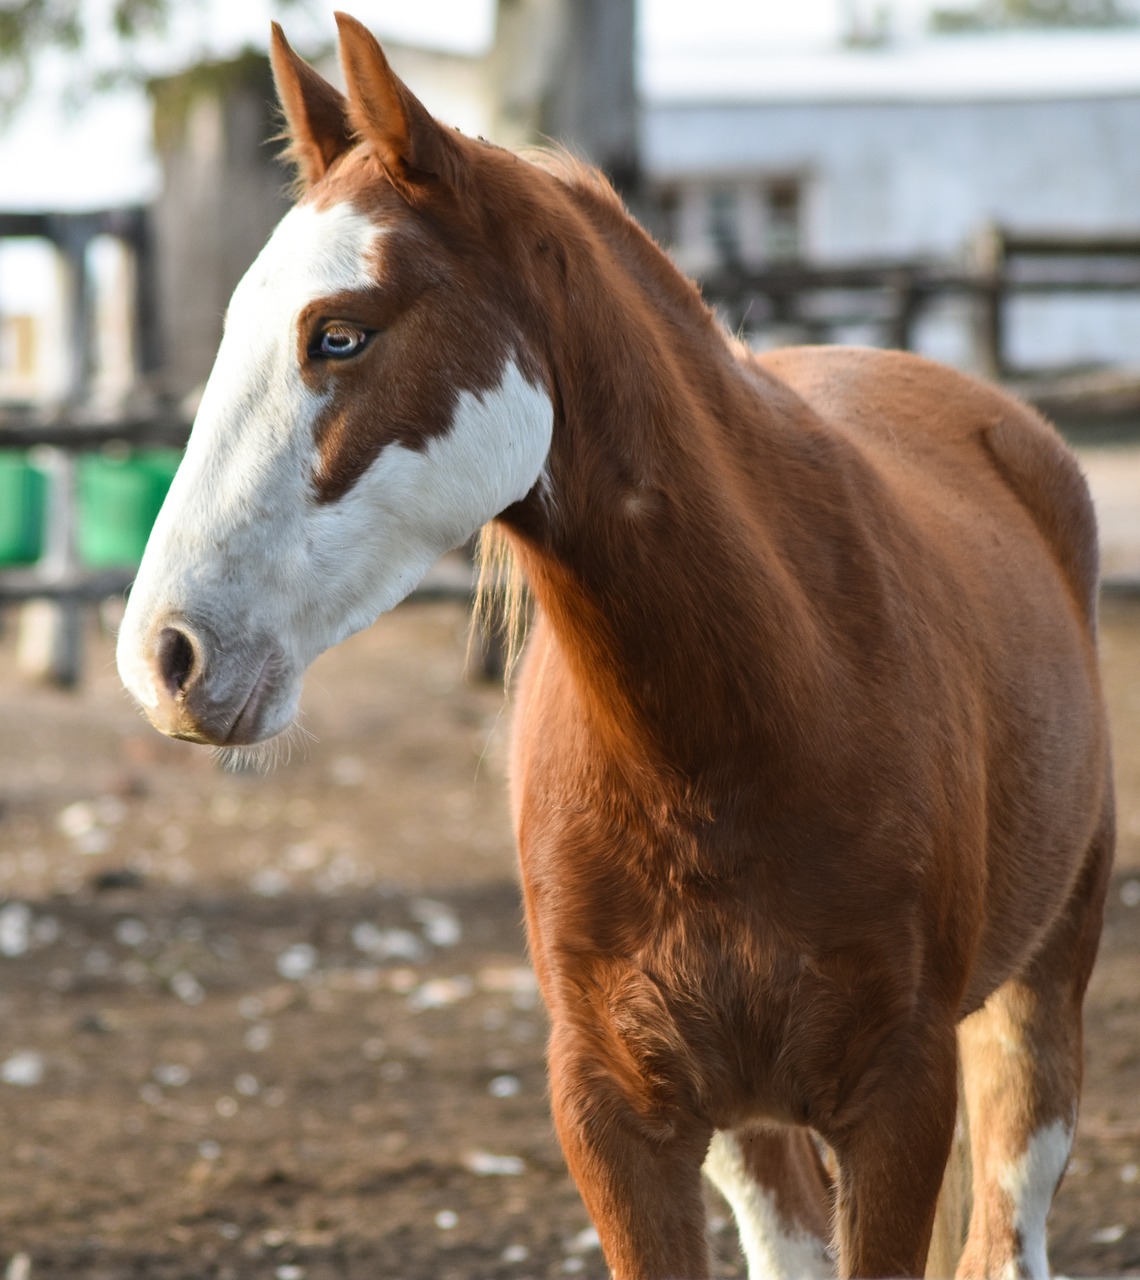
(338, 341)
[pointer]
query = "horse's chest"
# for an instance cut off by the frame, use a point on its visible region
(707, 996)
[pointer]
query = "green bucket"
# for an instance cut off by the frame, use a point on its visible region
(22, 498)
(119, 498)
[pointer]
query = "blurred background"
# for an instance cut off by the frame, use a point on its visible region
(282, 1024)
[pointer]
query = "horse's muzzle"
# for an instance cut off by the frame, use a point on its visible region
(209, 692)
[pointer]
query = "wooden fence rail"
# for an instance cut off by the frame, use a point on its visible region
(818, 298)
(79, 429)
(893, 295)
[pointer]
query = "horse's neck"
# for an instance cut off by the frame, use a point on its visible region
(649, 550)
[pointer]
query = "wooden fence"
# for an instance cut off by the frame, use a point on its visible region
(67, 429)
(819, 300)
(893, 296)
(66, 434)
(71, 234)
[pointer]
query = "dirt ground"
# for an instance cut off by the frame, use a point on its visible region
(283, 1025)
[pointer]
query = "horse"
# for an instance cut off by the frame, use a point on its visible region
(810, 771)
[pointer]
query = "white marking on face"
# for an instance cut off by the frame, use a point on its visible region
(372, 546)
(775, 1248)
(1030, 1182)
(242, 547)
(244, 474)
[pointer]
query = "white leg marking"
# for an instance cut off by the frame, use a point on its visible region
(1030, 1182)
(775, 1248)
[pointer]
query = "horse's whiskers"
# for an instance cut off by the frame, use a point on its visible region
(264, 757)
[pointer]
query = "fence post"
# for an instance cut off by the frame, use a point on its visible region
(988, 253)
(907, 300)
(51, 632)
(147, 337)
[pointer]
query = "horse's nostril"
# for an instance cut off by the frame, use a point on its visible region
(175, 660)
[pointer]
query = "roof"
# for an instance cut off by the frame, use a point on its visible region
(1013, 66)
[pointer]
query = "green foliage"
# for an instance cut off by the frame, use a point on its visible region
(28, 27)
(997, 15)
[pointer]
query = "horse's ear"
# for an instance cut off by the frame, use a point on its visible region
(316, 114)
(408, 142)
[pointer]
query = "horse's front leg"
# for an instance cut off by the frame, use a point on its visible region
(637, 1163)
(891, 1155)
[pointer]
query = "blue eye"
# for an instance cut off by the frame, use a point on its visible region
(338, 341)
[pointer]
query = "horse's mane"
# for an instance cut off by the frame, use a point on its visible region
(669, 290)
(575, 173)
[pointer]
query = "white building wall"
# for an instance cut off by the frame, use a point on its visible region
(904, 178)
(913, 178)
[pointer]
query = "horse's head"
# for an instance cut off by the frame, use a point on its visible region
(372, 404)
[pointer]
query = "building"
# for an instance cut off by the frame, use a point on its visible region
(906, 151)
(893, 152)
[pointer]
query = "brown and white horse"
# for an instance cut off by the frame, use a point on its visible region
(810, 772)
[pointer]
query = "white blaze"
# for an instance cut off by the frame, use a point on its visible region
(243, 549)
